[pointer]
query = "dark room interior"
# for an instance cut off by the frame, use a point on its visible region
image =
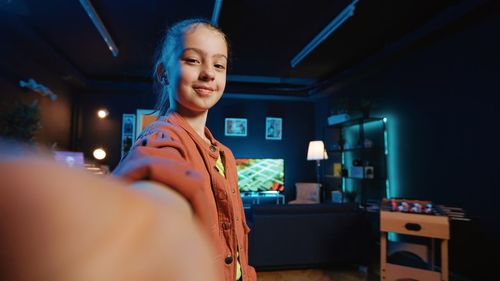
(406, 88)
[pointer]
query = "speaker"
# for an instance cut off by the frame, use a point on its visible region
(369, 172)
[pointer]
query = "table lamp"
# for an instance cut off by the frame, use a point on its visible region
(316, 151)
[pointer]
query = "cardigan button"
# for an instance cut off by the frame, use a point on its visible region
(228, 260)
(222, 195)
(212, 148)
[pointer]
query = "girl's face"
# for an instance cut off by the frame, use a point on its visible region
(202, 76)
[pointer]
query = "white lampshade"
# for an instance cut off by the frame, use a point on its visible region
(316, 150)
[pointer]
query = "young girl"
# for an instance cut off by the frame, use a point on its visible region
(181, 153)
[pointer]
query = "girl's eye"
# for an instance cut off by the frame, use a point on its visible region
(220, 66)
(192, 61)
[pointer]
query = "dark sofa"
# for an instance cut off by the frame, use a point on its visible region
(298, 236)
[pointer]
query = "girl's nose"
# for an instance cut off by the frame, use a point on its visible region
(207, 73)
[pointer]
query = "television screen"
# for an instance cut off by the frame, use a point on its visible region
(256, 175)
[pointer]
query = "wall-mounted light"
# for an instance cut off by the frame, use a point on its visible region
(99, 153)
(102, 113)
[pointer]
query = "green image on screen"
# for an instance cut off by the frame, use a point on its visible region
(255, 175)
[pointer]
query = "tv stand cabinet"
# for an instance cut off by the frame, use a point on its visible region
(301, 236)
(255, 198)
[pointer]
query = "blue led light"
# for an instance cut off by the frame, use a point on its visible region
(271, 79)
(343, 178)
(91, 12)
(329, 29)
(391, 151)
(216, 12)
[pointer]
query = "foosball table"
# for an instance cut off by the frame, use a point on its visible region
(414, 218)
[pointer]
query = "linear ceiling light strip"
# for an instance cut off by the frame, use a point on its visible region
(331, 27)
(100, 26)
(270, 79)
(216, 12)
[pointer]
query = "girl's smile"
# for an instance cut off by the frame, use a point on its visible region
(203, 90)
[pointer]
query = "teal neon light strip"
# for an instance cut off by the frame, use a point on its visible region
(391, 236)
(331, 27)
(343, 179)
(386, 151)
(387, 188)
(392, 157)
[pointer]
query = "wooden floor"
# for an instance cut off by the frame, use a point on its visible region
(332, 274)
(337, 274)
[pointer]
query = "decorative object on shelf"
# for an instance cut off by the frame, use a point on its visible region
(350, 195)
(337, 170)
(273, 128)
(235, 127)
(343, 117)
(336, 196)
(369, 172)
(347, 145)
(356, 172)
(345, 109)
(367, 143)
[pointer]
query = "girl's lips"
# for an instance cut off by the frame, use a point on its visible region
(204, 91)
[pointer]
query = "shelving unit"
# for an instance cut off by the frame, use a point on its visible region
(360, 141)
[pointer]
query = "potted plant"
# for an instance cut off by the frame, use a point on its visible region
(20, 121)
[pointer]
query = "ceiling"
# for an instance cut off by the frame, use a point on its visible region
(58, 37)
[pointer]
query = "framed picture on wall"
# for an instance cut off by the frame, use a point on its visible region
(144, 118)
(128, 132)
(235, 127)
(273, 128)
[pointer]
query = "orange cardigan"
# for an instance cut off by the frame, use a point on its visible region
(171, 152)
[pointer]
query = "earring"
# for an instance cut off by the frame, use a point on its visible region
(164, 80)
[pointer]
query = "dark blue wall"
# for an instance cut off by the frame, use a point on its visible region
(441, 101)
(95, 132)
(298, 129)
